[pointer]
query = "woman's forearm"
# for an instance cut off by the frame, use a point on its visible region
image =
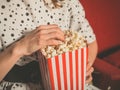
(42, 36)
(8, 58)
(93, 48)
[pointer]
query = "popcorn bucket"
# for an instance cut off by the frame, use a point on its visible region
(64, 72)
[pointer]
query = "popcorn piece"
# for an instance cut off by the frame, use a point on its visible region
(72, 42)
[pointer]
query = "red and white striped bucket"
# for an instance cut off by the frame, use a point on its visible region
(66, 71)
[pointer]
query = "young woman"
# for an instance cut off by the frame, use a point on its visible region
(29, 25)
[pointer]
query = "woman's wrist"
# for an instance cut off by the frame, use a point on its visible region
(16, 50)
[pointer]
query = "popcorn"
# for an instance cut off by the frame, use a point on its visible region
(72, 42)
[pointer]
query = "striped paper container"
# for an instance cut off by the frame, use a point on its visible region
(66, 71)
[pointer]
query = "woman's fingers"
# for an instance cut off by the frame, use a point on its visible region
(54, 42)
(50, 39)
(88, 79)
(89, 75)
(50, 35)
(89, 65)
(54, 35)
(50, 30)
(89, 72)
(44, 27)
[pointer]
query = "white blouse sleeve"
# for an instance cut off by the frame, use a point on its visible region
(79, 21)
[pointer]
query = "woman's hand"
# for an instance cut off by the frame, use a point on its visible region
(41, 37)
(90, 69)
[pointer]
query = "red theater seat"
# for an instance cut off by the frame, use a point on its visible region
(114, 59)
(104, 17)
